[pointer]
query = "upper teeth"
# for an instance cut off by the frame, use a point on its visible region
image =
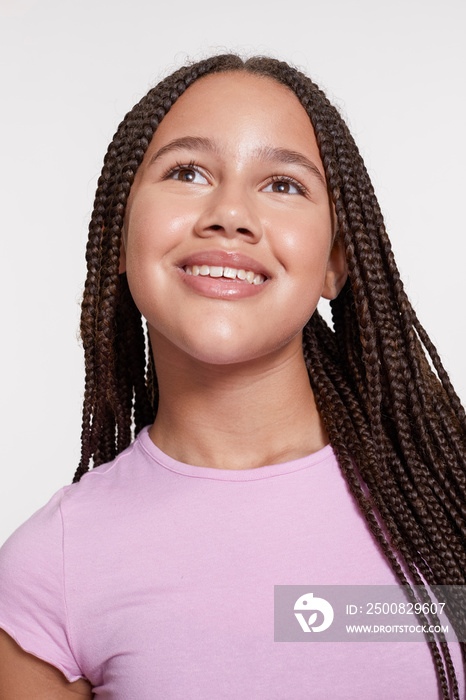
(230, 272)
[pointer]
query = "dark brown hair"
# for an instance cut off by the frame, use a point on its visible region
(396, 424)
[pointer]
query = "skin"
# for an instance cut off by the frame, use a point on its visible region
(214, 355)
(23, 677)
(234, 389)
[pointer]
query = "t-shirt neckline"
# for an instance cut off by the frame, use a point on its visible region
(255, 474)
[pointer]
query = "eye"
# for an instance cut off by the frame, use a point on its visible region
(284, 185)
(186, 173)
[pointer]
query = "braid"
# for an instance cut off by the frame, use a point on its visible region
(402, 427)
(347, 449)
(109, 411)
(395, 423)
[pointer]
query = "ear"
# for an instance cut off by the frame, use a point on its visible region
(337, 272)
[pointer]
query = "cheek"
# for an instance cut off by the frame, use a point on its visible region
(303, 250)
(303, 243)
(154, 226)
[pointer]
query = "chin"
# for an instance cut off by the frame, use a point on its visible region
(223, 356)
(222, 352)
(221, 344)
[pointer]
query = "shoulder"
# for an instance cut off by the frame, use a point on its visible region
(101, 493)
(41, 531)
(51, 555)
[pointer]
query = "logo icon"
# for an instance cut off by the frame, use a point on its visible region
(308, 603)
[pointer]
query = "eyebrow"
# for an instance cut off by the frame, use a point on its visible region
(283, 155)
(197, 143)
(264, 154)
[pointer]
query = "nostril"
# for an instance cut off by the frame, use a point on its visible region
(243, 230)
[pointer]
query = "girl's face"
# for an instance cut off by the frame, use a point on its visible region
(228, 230)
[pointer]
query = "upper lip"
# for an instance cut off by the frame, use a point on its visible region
(224, 258)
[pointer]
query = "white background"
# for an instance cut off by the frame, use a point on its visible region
(72, 69)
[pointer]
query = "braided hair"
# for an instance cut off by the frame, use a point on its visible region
(393, 418)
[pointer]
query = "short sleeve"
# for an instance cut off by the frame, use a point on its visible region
(32, 601)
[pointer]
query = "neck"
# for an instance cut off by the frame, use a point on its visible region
(238, 416)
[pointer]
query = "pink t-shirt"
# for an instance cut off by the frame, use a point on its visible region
(155, 579)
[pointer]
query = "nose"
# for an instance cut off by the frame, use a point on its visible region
(229, 211)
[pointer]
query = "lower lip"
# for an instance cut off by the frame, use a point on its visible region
(220, 287)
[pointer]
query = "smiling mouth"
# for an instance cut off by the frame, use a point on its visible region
(230, 273)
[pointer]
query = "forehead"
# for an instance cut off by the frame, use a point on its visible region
(239, 107)
(215, 89)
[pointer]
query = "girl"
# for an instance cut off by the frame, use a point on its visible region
(269, 449)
